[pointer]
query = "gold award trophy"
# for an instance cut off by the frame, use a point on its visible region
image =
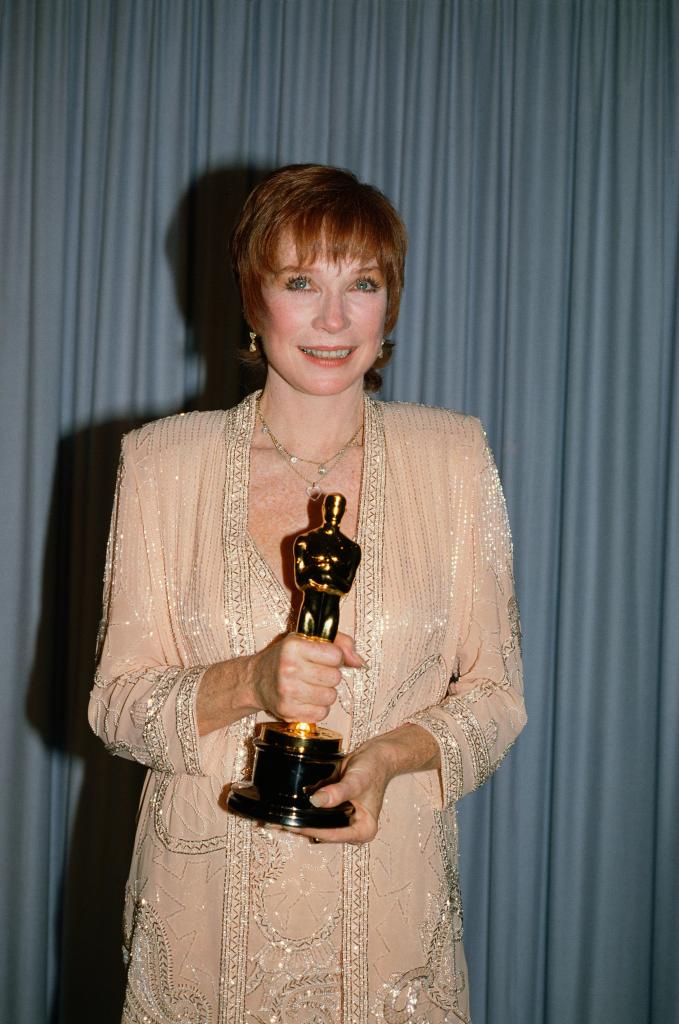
(294, 759)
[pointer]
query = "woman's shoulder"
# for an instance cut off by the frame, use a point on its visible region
(183, 434)
(411, 419)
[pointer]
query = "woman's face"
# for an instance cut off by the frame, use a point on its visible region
(323, 323)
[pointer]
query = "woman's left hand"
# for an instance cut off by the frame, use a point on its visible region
(364, 779)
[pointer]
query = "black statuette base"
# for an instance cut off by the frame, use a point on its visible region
(287, 770)
(248, 800)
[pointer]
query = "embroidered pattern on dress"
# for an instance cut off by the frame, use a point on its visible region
(378, 724)
(511, 647)
(452, 775)
(409, 1002)
(476, 741)
(369, 626)
(178, 844)
(271, 852)
(514, 620)
(186, 722)
(153, 996)
(298, 971)
(154, 731)
(445, 981)
(127, 750)
(270, 587)
(410, 997)
(311, 999)
(236, 910)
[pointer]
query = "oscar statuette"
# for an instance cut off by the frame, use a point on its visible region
(294, 759)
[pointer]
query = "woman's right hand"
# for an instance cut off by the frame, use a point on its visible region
(296, 678)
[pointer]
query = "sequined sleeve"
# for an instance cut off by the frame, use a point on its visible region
(143, 701)
(477, 723)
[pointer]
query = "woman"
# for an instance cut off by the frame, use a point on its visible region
(226, 920)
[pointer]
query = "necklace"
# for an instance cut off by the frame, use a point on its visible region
(322, 468)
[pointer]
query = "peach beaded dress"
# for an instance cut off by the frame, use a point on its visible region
(227, 922)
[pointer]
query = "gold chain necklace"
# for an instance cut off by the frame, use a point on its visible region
(322, 468)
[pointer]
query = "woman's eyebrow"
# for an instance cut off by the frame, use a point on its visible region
(290, 269)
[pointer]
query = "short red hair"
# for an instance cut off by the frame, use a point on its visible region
(324, 210)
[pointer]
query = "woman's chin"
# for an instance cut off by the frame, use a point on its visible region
(333, 384)
(322, 380)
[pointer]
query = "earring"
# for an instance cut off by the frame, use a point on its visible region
(253, 341)
(381, 352)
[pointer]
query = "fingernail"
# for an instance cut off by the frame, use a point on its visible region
(319, 799)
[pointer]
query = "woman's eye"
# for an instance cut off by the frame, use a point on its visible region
(297, 283)
(367, 284)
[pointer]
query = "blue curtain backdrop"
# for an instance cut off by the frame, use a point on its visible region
(531, 146)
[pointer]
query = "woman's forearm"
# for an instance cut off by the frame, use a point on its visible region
(410, 748)
(225, 695)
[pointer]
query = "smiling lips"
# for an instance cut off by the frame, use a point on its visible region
(327, 354)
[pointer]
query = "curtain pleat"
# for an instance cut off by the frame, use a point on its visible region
(532, 147)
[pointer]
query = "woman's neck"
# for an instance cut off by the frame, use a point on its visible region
(311, 426)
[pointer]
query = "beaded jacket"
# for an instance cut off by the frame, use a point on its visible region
(226, 921)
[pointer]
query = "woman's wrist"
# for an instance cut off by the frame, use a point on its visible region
(225, 695)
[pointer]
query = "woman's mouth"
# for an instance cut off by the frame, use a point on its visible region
(327, 354)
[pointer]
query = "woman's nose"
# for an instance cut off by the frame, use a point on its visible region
(331, 315)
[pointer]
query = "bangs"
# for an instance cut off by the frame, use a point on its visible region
(333, 234)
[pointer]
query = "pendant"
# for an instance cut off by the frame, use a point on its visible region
(314, 491)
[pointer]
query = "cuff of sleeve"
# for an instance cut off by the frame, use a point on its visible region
(180, 755)
(451, 772)
(187, 722)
